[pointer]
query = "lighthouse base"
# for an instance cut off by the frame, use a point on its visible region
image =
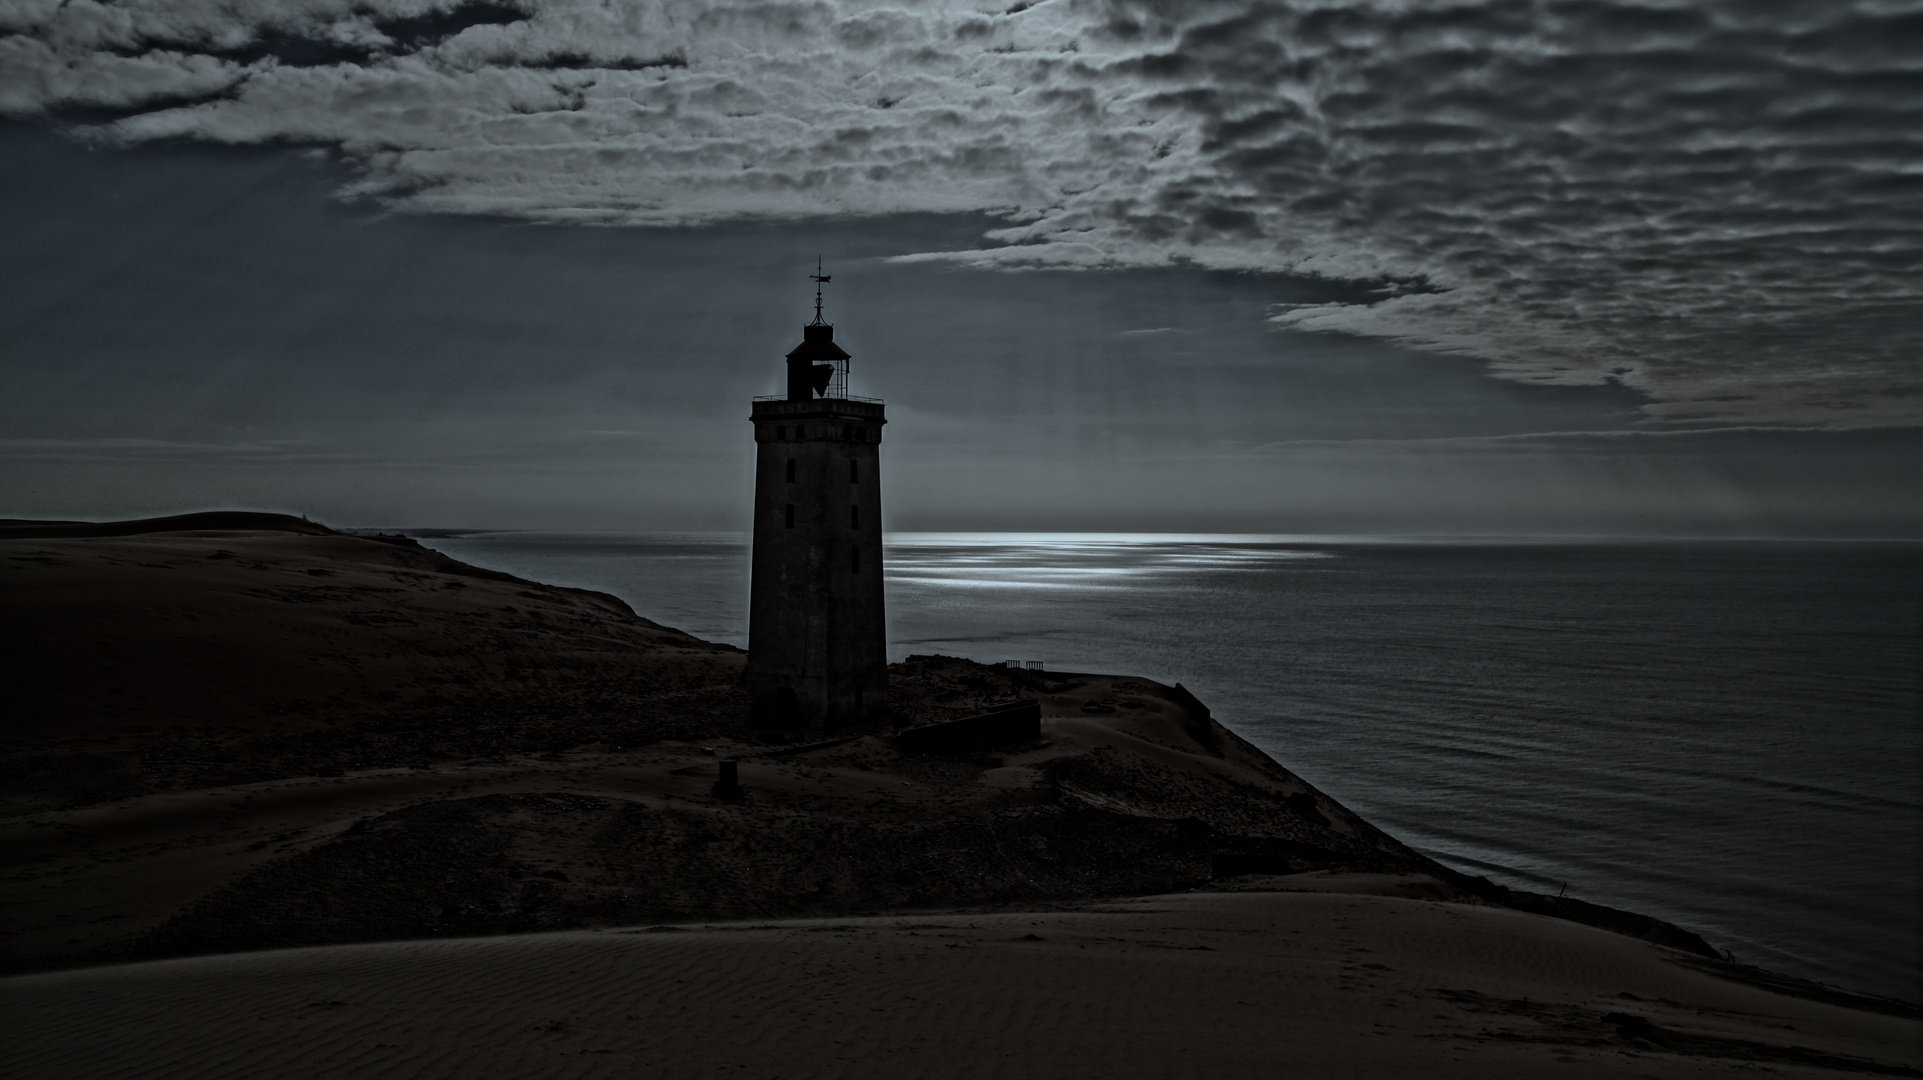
(816, 704)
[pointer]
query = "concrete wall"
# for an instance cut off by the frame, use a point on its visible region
(817, 629)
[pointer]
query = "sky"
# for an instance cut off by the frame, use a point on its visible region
(1375, 266)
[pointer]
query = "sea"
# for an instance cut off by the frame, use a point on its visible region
(1723, 734)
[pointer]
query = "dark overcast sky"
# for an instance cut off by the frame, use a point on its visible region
(1492, 268)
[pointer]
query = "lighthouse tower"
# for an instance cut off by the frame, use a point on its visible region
(817, 639)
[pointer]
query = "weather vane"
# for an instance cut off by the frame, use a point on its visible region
(819, 279)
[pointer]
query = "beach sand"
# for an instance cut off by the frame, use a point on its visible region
(1252, 983)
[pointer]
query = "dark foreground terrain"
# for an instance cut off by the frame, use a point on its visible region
(231, 738)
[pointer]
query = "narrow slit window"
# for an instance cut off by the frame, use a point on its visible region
(790, 515)
(853, 475)
(854, 561)
(791, 470)
(854, 517)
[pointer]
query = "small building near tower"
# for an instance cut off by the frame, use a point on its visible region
(817, 634)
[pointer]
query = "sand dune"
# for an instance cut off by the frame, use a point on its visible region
(217, 638)
(1322, 983)
(1104, 804)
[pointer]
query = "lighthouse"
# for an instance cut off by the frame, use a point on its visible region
(817, 637)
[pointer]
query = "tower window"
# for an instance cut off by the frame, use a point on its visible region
(852, 474)
(800, 432)
(791, 470)
(791, 516)
(854, 517)
(782, 433)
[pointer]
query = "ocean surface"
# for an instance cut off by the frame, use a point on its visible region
(1722, 734)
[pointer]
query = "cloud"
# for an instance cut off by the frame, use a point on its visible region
(116, 449)
(1714, 203)
(1527, 439)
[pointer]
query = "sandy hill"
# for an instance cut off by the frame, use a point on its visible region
(255, 733)
(224, 648)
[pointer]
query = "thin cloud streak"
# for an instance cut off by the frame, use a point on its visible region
(1514, 438)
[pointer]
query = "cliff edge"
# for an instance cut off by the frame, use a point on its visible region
(233, 733)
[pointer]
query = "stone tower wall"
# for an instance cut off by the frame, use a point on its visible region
(817, 633)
